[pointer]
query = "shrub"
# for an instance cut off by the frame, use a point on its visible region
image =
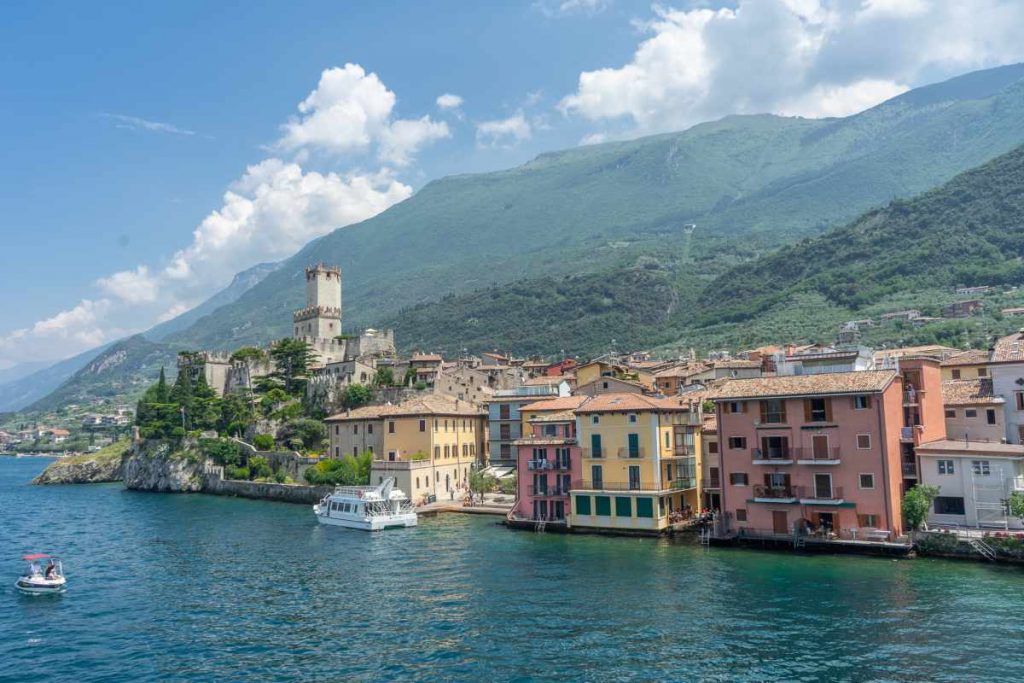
(260, 467)
(280, 477)
(263, 442)
(221, 452)
(916, 504)
(303, 433)
(241, 473)
(419, 455)
(507, 485)
(937, 543)
(347, 471)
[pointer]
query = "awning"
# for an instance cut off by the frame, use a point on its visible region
(35, 556)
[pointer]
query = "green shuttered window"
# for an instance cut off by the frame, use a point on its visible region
(582, 505)
(603, 505)
(644, 507)
(623, 506)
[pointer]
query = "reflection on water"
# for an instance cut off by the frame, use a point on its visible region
(202, 588)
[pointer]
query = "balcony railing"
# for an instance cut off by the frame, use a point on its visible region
(683, 483)
(909, 469)
(682, 452)
(814, 493)
(542, 491)
(613, 485)
(536, 465)
(713, 483)
(913, 397)
(771, 454)
(632, 452)
(563, 464)
(595, 453)
(831, 453)
(775, 492)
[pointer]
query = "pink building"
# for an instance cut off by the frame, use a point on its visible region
(548, 461)
(817, 454)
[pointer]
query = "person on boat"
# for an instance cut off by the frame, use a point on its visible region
(33, 569)
(51, 570)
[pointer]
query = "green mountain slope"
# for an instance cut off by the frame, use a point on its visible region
(123, 369)
(967, 232)
(750, 183)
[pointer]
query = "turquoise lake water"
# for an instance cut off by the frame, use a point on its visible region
(192, 587)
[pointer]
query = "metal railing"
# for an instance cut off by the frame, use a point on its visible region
(813, 493)
(534, 465)
(613, 485)
(713, 483)
(777, 492)
(909, 469)
(683, 483)
(831, 453)
(540, 491)
(771, 454)
(594, 452)
(632, 453)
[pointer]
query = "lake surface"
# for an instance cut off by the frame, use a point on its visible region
(192, 587)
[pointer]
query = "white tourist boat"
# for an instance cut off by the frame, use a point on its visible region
(370, 508)
(39, 579)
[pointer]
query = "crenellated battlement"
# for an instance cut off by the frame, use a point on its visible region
(311, 312)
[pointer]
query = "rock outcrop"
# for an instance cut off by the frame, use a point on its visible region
(155, 466)
(92, 468)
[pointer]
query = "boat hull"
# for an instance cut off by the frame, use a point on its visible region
(40, 586)
(370, 523)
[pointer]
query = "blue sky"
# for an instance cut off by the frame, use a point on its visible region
(126, 123)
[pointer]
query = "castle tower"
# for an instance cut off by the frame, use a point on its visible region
(321, 318)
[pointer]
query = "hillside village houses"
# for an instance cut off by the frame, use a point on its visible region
(812, 440)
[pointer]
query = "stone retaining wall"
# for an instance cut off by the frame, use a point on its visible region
(285, 493)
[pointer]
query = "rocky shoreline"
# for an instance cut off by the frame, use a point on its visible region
(91, 468)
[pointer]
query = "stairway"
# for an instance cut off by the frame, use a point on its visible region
(541, 523)
(982, 548)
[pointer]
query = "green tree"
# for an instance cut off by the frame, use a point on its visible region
(356, 395)
(384, 377)
(916, 504)
(291, 359)
(249, 354)
(236, 414)
(1015, 504)
(263, 442)
(481, 482)
(259, 466)
(307, 433)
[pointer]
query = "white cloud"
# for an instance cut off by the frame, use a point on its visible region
(131, 286)
(555, 8)
(404, 138)
(504, 132)
(136, 123)
(269, 213)
(793, 56)
(449, 101)
(64, 334)
(272, 211)
(349, 112)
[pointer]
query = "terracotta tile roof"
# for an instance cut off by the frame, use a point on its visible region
(682, 370)
(560, 416)
(710, 423)
(428, 405)
(949, 447)
(969, 357)
(737, 363)
(423, 357)
(865, 381)
(936, 350)
(1009, 349)
(968, 392)
(554, 404)
(627, 403)
(544, 380)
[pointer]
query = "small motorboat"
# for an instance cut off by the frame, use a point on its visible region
(39, 579)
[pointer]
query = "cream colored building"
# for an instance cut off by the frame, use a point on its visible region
(428, 444)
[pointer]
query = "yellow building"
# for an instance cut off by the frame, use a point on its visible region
(970, 364)
(594, 370)
(429, 444)
(641, 461)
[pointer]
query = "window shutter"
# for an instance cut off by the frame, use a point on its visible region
(764, 411)
(786, 480)
(807, 410)
(867, 401)
(828, 410)
(767, 480)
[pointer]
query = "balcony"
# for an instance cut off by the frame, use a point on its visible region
(913, 397)
(539, 465)
(601, 485)
(774, 494)
(563, 464)
(909, 469)
(683, 484)
(911, 434)
(548, 491)
(680, 452)
(713, 483)
(810, 456)
(632, 453)
(772, 456)
(814, 495)
(594, 453)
